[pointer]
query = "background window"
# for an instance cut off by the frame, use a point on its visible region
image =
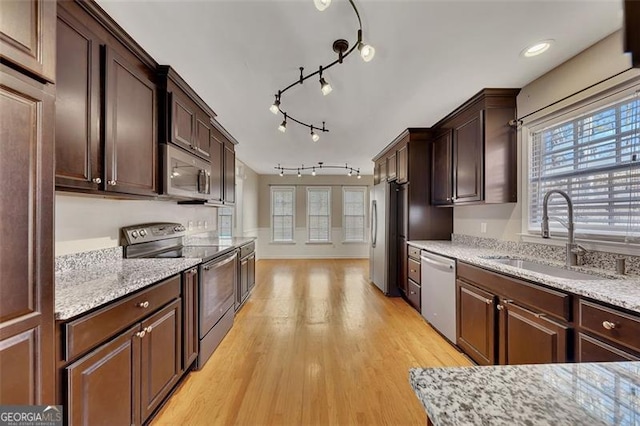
(353, 210)
(595, 158)
(225, 221)
(319, 214)
(282, 216)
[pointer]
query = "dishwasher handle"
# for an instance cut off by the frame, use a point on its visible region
(436, 264)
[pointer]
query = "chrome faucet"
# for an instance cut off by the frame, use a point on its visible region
(574, 251)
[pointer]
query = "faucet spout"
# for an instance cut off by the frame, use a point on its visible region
(572, 247)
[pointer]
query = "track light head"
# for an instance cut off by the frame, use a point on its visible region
(325, 87)
(359, 177)
(321, 4)
(314, 136)
(281, 173)
(275, 108)
(367, 52)
(299, 174)
(283, 126)
(313, 172)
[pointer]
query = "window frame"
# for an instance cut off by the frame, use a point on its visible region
(308, 214)
(273, 190)
(232, 215)
(569, 110)
(365, 192)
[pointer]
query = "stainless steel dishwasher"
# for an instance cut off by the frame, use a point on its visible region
(438, 293)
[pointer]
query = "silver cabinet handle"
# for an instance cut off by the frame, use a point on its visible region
(141, 334)
(608, 325)
(144, 304)
(489, 301)
(148, 329)
(112, 182)
(500, 307)
(540, 315)
(507, 301)
(97, 180)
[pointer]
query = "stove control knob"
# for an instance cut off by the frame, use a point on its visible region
(143, 232)
(179, 228)
(134, 234)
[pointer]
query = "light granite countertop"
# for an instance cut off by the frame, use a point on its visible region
(196, 240)
(85, 287)
(618, 290)
(546, 394)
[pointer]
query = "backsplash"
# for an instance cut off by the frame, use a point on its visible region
(87, 258)
(596, 259)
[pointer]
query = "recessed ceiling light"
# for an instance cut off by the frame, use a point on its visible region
(537, 48)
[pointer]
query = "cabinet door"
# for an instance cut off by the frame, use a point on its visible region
(26, 252)
(251, 271)
(244, 279)
(229, 174)
(631, 30)
(27, 35)
(530, 338)
(382, 167)
(476, 323)
(402, 162)
(441, 187)
(102, 386)
(131, 128)
(392, 167)
(217, 165)
(183, 120)
(190, 317)
(468, 160)
(594, 350)
(203, 136)
(403, 265)
(78, 151)
(160, 356)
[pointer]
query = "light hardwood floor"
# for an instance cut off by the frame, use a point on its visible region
(316, 344)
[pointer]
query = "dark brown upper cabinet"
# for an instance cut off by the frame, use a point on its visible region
(402, 164)
(229, 173)
(392, 166)
(482, 153)
(187, 118)
(441, 186)
(380, 170)
(632, 31)
(223, 165)
(27, 36)
(106, 106)
(217, 165)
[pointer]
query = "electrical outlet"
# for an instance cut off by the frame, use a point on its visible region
(483, 227)
(199, 224)
(206, 224)
(190, 225)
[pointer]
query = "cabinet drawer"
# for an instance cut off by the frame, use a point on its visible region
(609, 323)
(594, 350)
(247, 249)
(92, 329)
(413, 294)
(414, 270)
(414, 253)
(534, 296)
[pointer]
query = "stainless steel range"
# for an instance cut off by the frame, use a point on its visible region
(217, 276)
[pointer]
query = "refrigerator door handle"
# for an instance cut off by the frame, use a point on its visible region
(374, 223)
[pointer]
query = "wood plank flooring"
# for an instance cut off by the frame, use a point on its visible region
(316, 344)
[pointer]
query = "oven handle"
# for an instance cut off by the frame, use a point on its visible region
(216, 263)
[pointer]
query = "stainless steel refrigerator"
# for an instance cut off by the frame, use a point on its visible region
(382, 252)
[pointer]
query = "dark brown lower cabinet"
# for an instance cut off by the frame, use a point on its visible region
(594, 350)
(246, 274)
(530, 338)
(476, 323)
(190, 317)
(102, 386)
(160, 356)
(251, 271)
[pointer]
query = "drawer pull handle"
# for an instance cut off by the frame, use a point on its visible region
(148, 329)
(141, 334)
(500, 307)
(412, 292)
(143, 305)
(608, 325)
(540, 315)
(488, 301)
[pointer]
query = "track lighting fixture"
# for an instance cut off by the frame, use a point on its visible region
(341, 47)
(322, 4)
(320, 165)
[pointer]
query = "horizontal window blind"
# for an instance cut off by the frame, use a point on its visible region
(595, 158)
(319, 214)
(353, 205)
(282, 213)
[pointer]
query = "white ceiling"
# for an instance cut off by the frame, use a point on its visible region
(430, 57)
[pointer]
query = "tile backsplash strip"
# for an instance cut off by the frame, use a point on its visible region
(87, 258)
(596, 259)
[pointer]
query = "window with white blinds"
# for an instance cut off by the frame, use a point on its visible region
(319, 214)
(283, 203)
(225, 221)
(353, 210)
(595, 158)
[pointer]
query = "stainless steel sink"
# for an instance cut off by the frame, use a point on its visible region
(541, 268)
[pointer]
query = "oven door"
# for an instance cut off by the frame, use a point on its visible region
(185, 175)
(217, 282)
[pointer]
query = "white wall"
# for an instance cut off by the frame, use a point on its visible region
(89, 223)
(247, 214)
(600, 61)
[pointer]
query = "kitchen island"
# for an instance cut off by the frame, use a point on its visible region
(545, 394)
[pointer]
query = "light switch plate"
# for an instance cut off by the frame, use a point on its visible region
(483, 227)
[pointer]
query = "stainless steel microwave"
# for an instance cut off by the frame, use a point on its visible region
(185, 175)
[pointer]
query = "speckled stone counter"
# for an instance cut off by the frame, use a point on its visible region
(89, 285)
(548, 394)
(618, 290)
(206, 240)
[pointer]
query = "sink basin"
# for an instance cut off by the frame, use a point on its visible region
(541, 268)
